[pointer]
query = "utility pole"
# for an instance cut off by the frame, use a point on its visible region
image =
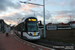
(44, 17)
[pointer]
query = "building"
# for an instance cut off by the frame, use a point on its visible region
(72, 24)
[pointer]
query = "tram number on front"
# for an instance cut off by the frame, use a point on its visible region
(34, 33)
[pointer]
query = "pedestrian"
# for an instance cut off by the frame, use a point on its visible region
(7, 30)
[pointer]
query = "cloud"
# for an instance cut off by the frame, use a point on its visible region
(51, 2)
(4, 4)
(67, 13)
(57, 2)
(23, 7)
(59, 16)
(28, 7)
(10, 22)
(63, 3)
(64, 12)
(62, 18)
(72, 3)
(9, 14)
(47, 14)
(32, 6)
(12, 18)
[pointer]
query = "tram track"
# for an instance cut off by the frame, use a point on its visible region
(56, 45)
(52, 44)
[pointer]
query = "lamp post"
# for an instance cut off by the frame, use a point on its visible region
(43, 12)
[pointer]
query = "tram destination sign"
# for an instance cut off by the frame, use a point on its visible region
(31, 19)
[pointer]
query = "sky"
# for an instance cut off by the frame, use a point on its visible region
(56, 11)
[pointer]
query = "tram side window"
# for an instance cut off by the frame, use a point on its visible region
(23, 27)
(19, 28)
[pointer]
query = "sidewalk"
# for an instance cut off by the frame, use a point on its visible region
(10, 43)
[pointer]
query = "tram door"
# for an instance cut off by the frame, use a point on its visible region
(0, 26)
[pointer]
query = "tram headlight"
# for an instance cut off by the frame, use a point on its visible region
(29, 33)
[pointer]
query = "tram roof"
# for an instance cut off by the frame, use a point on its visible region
(28, 17)
(24, 18)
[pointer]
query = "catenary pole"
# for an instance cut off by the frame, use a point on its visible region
(44, 17)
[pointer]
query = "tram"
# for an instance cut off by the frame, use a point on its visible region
(28, 28)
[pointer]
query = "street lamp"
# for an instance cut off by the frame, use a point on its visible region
(43, 12)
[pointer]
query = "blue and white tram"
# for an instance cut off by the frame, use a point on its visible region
(29, 28)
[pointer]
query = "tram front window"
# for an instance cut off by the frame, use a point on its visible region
(32, 27)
